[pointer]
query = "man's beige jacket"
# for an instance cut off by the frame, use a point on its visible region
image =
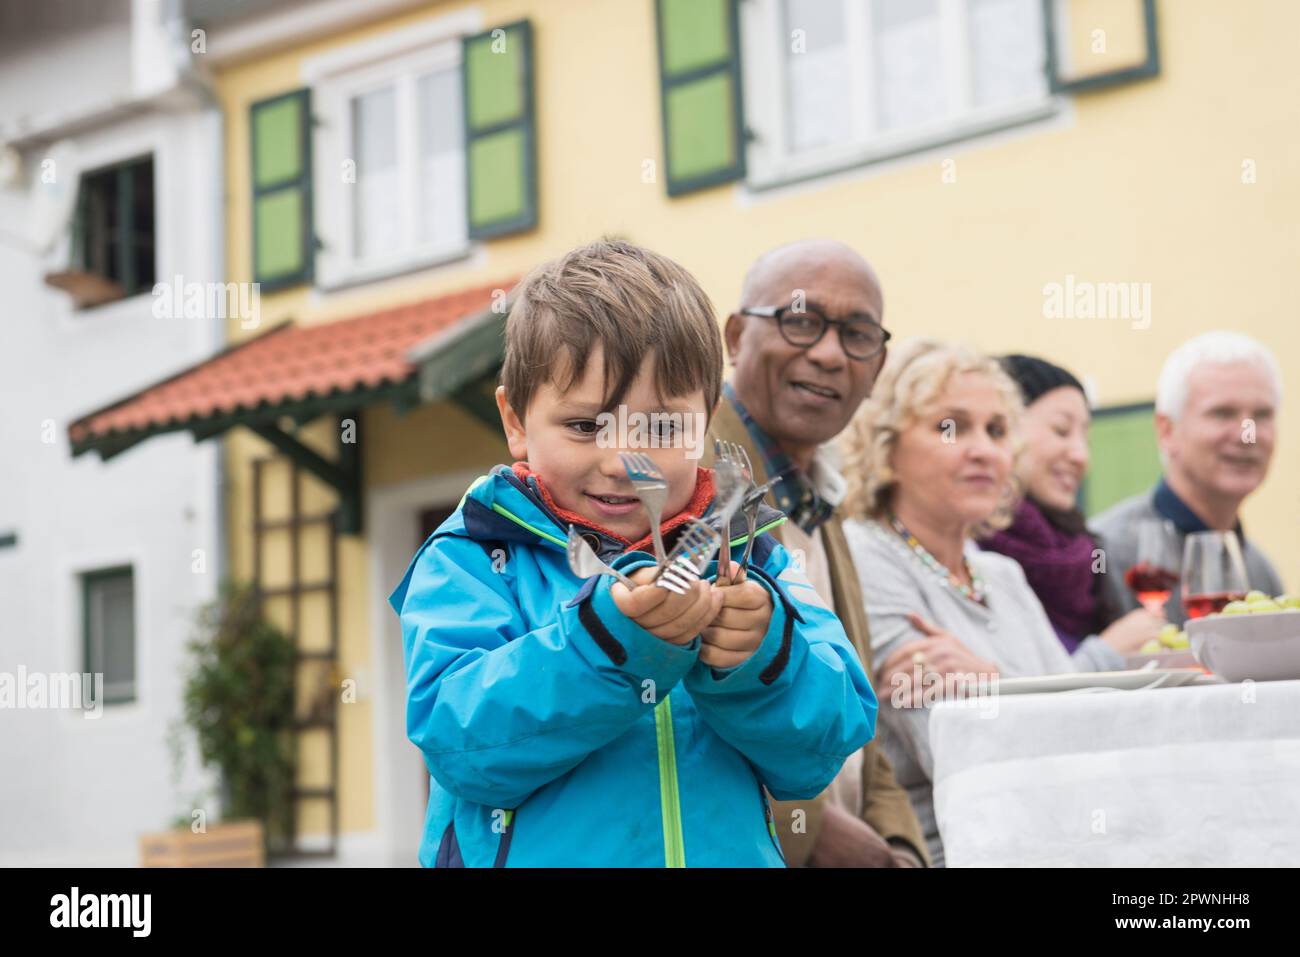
(883, 803)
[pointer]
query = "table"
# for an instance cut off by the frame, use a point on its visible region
(1193, 776)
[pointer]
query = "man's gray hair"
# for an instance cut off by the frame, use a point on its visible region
(1217, 348)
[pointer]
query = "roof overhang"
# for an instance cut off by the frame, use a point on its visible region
(439, 349)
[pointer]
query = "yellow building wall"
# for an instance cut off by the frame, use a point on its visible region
(1141, 183)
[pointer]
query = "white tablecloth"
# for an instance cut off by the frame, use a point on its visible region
(1192, 776)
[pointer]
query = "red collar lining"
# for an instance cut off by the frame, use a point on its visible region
(696, 507)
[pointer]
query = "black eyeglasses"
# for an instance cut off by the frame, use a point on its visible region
(860, 337)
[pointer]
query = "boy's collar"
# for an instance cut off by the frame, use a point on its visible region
(699, 503)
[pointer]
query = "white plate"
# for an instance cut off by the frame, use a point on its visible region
(1182, 658)
(1106, 680)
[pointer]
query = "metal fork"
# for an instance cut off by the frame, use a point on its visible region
(753, 499)
(753, 502)
(585, 562)
(695, 548)
(652, 489)
(730, 489)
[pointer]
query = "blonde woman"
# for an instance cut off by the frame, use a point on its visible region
(929, 460)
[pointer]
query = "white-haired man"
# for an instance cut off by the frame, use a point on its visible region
(1216, 405)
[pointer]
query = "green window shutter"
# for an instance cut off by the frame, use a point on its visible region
(1107, 44)
(283, 241)
(1124, 459)
(699, 76)
(500, 132)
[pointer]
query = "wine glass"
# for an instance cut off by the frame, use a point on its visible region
(1213, 572)
(1155, 573)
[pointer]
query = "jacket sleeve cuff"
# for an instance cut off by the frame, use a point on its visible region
(761, 669)
(629, 646)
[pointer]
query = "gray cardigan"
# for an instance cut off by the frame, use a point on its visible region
(1013, 632)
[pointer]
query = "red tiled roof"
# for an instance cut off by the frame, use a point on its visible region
(288, 364)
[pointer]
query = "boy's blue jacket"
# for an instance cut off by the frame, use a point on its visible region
(560, 733)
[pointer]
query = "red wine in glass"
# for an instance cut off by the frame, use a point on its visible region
(1198, 606)
(1152, 584)
(1154, 576)
(1214, 573)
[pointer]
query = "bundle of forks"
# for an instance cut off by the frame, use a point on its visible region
(698, 542)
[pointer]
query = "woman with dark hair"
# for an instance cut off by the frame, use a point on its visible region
(1048, 535)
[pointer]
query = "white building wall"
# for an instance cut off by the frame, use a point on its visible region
(78, 791)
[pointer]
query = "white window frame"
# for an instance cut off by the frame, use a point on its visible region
(764, 45)
(396, 59)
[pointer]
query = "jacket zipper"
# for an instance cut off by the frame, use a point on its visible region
(669, 801)
(503, 846)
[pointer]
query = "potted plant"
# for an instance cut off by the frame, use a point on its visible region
(238, 701)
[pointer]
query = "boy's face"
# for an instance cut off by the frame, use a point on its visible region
(578, 462)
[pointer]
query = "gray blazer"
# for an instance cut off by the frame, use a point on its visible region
(1013, 632)
(1118, 529)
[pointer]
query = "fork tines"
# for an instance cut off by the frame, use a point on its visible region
(678, 576)
(640, 467)
(690, 556)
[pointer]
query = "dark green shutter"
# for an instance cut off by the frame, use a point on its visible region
(1149, 67)
(283, 241)
(500, 135)
(699, 76)
(1124, 459)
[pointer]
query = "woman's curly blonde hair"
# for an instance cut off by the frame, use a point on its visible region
(914, 378)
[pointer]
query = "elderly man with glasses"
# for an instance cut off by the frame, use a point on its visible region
(806, 345)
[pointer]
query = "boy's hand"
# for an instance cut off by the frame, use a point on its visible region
(667, 615)
(740, 625)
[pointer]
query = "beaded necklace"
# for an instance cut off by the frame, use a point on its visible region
(975, 591)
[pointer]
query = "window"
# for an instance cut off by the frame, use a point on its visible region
(109, 606)
(397, 155)
(421, 140)
(112, 250)
(832, 83)
(1123, 457)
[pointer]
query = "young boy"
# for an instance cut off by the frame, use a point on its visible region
(572, 723)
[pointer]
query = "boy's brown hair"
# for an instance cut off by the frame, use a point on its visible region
(630, 300)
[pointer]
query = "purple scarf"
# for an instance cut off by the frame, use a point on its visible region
(1058, 566)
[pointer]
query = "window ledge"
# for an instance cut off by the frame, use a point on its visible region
(364, 275)
(87, 289)
(790, 173)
